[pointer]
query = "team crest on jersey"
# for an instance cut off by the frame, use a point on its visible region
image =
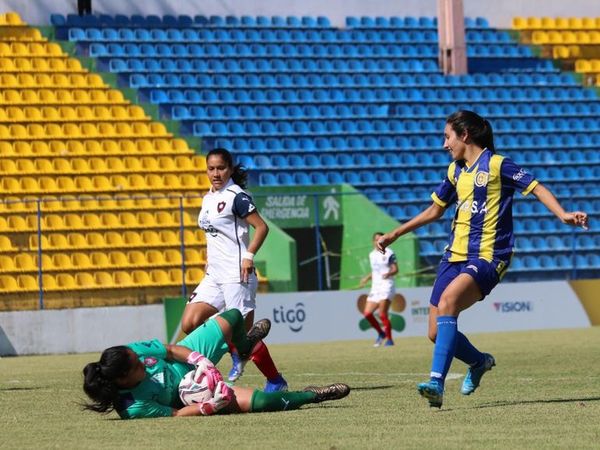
(150, 361)
(220, 206)
(481, 179)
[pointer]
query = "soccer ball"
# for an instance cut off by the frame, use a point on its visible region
(191, 392)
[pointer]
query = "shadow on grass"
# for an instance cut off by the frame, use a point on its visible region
(372, 388)
(534, 402)
(33, 388)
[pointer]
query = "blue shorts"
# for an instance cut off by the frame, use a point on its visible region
(486, 274)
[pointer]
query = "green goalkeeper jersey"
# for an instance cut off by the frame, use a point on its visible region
(157, 394)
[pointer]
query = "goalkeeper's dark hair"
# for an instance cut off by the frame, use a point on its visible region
(239, 174)
(99, 379)
(478, 129)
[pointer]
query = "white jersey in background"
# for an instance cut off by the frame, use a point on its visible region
(381, 288)
(222, 218)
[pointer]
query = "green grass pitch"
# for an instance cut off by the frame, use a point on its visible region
(543, 393)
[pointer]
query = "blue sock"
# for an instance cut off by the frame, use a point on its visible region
(466, 352)
(445, 346)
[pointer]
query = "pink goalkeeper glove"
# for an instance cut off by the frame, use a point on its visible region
(221, 398)
(200, 361)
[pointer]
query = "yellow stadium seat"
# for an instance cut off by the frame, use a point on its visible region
(164, 219)
(6, 244)
(175, 275)
(73, 65)
(160, 277)
(79, 96)
(85, 280)
(11, 185)
(3, 224)
(94, 80)
(594, 37)
(574, 23)
(93, 147)
(129, 220)
(154, 181)
(119, 182)
(99, 260)
(157, 129)
(24, 263)
(98, 165)
(145, 219)
(141, 278)
(12, 18)
(539, 37)
(132, 239)
(53, 49)
(193, 256)
(8, 283)
(534, 23)
(154, 258)
(114, 164)
(6, 149)
(25, 166)
(66, 184)
(103, 279)
(28, 283)
(172, 257)
(51, 203)
(562, 23)
(65, 282)
(49, 282)
(118, 259)
(136, 258)
(113, 239)
(53, 222)
(77, 240)
(6, 264)
(168, 237)
(91, 221)
(69, 202)
(122, 279)
(73, 221)
(78, 80)
(150, 238)
(80, 260)
(71, 148)
(114, 96)
(61, 261)
(548, 23)
(98, 183)
(193, 275)
(8, 166)
(583, 66)
(110, 220)
(95, 240)
(588, 23)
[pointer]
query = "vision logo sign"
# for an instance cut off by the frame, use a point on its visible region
(396, 319)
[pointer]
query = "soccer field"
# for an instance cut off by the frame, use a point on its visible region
(543, 393)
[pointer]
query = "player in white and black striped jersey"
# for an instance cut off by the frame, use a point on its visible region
(230, 278)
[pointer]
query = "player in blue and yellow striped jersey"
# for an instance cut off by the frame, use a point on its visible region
(481, 184)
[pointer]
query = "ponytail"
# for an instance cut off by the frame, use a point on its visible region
(99, 379)
(239, 174)
(479, 130)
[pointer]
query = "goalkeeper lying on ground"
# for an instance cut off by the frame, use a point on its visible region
(142, 379)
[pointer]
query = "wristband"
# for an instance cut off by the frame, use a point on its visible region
(248, 255)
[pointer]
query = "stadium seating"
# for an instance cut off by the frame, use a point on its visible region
(301, 103)
(100, 177)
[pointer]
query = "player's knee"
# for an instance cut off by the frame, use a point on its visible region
(447, 304)
(186, 326)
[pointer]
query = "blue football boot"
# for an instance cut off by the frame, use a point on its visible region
(433, 391)
(277, 385)
(474, 374)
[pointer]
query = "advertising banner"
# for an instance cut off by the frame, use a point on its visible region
(328, 316)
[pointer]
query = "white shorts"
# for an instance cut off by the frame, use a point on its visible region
(379, 293)
(225, 296)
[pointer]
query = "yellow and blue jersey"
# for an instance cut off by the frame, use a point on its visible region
(483, 193)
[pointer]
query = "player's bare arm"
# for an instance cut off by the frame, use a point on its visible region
(575, 218)
(428, 215)
(261, 229)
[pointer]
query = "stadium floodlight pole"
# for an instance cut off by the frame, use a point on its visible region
(451, 35)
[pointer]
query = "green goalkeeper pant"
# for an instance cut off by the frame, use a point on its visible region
(279, 401)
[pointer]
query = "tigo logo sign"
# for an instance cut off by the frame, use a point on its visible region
(293, 317)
